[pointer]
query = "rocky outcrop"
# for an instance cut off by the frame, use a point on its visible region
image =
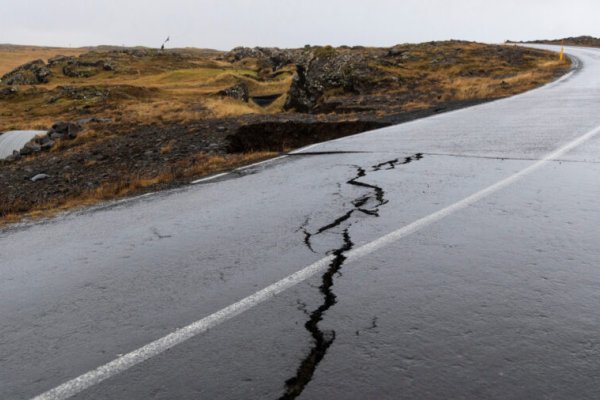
(318, 69)
(83, 69)
(326, 71)
(272, 57)
(79, 93)
(77, 68)
(32, 73)
(64, 130)
(300, 97)
(240, 53)
(54, 61)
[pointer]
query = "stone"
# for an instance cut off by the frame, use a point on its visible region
(40, 177)
(35, 147)
(47, 145)
(56, 136)
(25, 151)
(43, 140)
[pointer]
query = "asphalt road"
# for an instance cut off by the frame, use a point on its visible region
(15, 140)
(451, 257)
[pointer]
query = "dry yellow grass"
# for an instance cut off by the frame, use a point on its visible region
(225, 107)
(178, 95)
(13, 56)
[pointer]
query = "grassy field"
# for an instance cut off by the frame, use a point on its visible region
(170, 119)
(176, 87)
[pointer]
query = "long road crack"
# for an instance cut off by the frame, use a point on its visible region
(368, 204)
(322, 339)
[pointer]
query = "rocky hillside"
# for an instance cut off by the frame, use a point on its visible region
(121, 121)
(588, 41)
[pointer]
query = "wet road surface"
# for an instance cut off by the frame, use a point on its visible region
(497, 298)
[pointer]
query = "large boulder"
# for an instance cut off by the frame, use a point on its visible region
(326, 70)
(32, 73)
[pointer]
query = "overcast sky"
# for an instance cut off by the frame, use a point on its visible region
(223, 24)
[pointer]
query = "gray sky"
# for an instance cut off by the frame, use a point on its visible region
(223, 24)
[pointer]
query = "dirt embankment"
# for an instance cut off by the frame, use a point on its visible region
(146, 119)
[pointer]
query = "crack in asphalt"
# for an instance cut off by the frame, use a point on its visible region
(322, 340)
(393, 163)
(158, 234)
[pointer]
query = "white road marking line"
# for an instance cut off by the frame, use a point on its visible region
(123, 363)
(270, 160)
(209, 178)
(89, 379)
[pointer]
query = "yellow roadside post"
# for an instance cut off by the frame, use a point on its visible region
(562, 51)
